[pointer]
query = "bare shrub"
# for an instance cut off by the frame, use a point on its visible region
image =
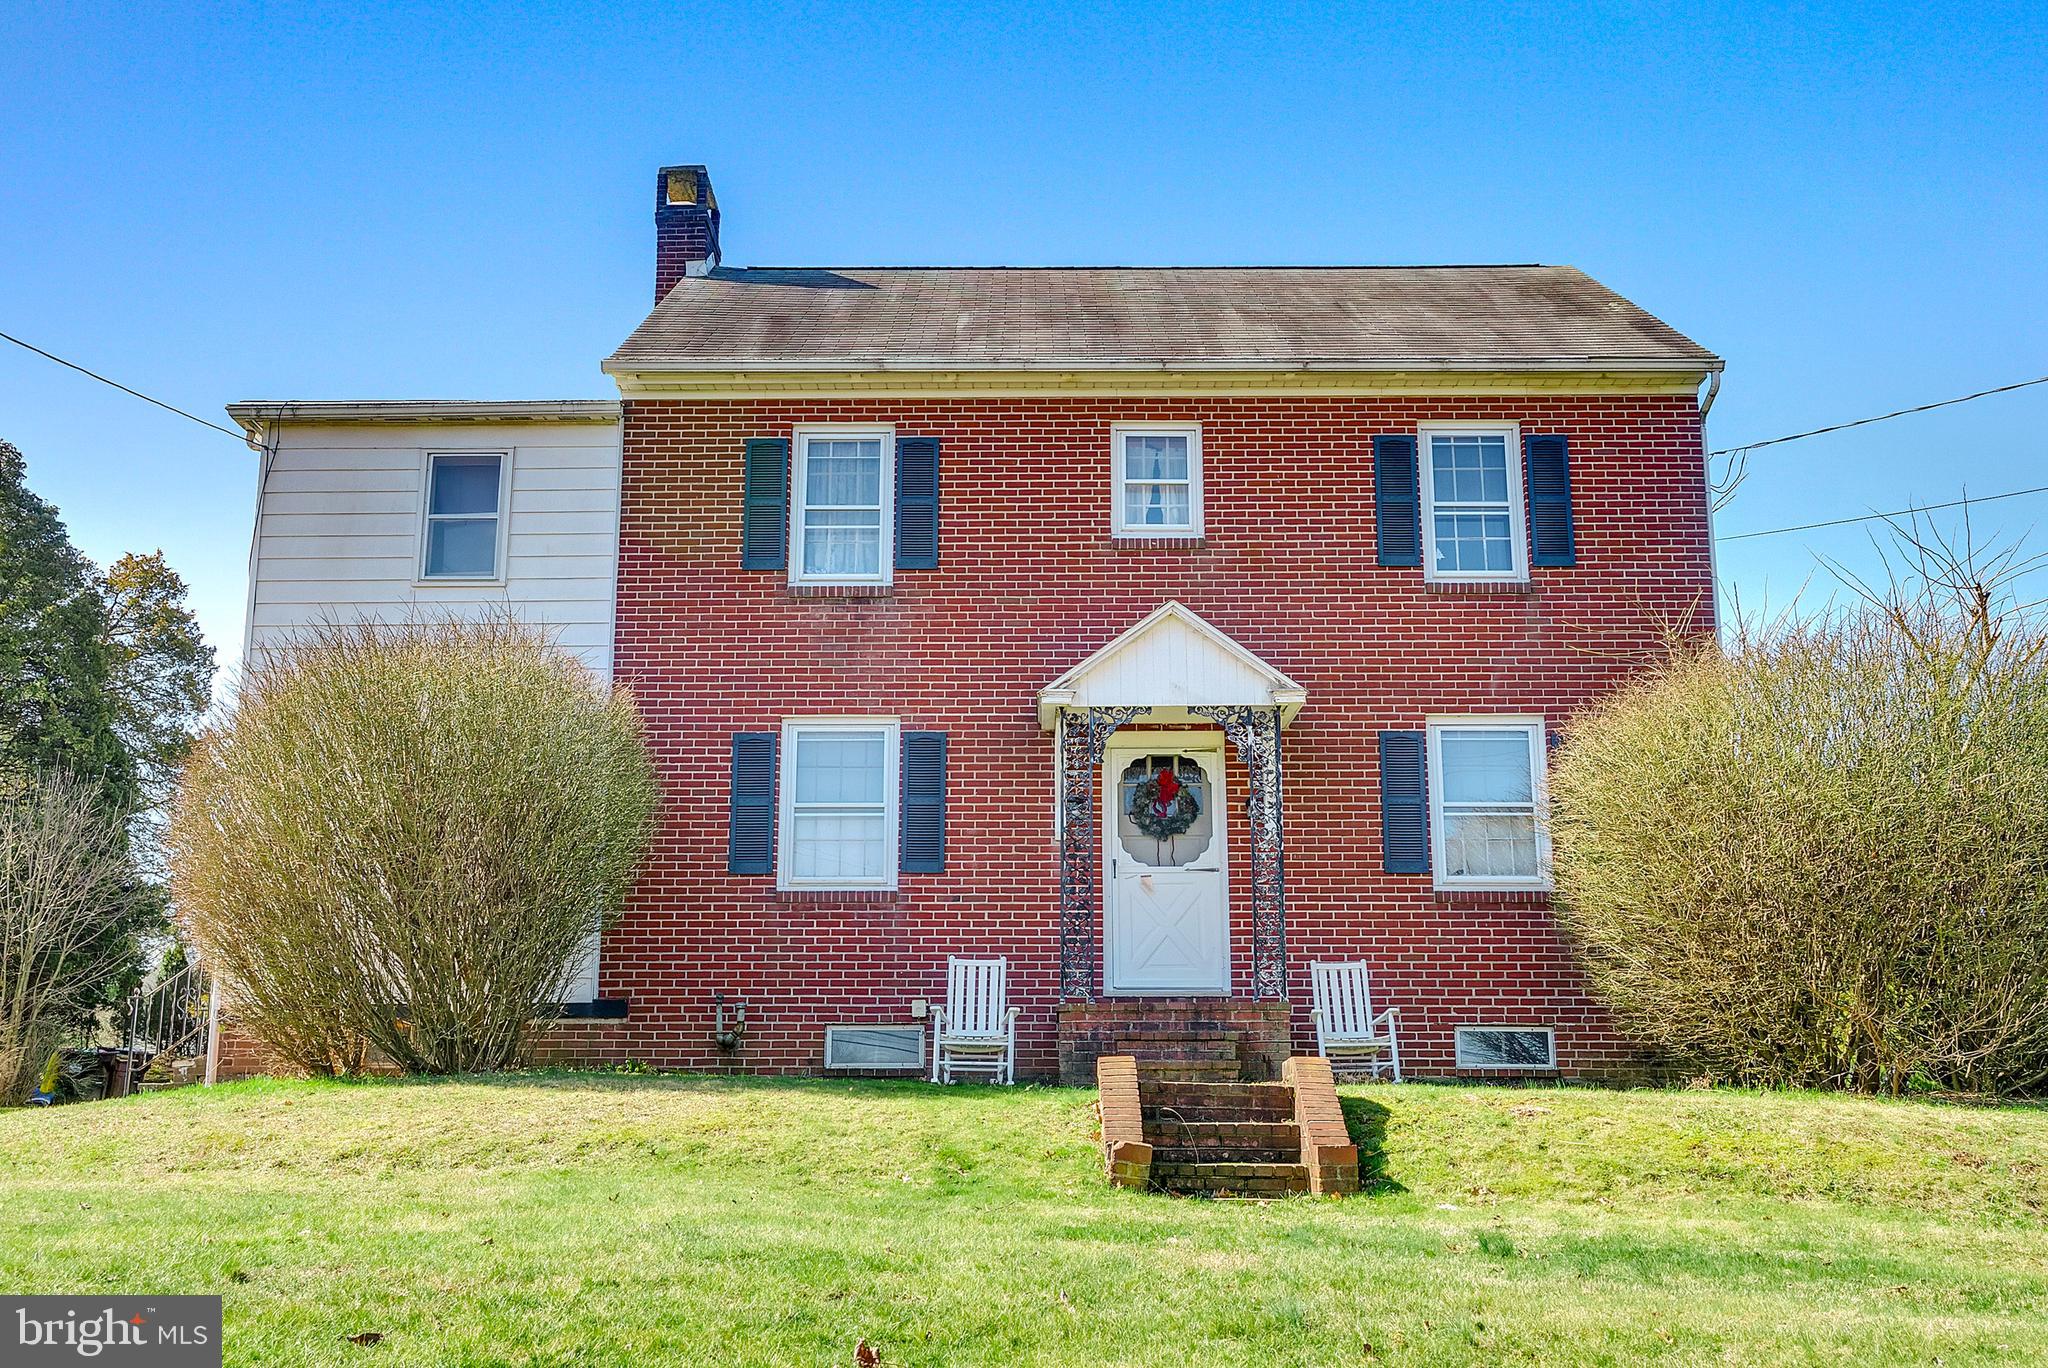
(66, 895)
(1820, 858)
(402, 837)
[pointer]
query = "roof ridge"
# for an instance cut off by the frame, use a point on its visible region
(1322, 266)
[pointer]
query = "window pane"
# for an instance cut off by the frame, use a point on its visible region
(462, 546)
(465, 484)
(1474, 541)
(1156, 505)
(1485, 766)
(1155, 458)
(1490, 845)
(843, 543)
(843, 472)
(838, 846)
(1470, 469)
(839, 767)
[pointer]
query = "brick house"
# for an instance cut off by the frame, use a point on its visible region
(1162, 630)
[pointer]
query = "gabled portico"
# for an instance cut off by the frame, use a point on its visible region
(1143, 871)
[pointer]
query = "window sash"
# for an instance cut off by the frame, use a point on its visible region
(818, 834)
(842, 533)
(1492, 823)
(1131, 494)
(1510, 507)
(433, 538)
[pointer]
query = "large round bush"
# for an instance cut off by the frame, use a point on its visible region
(1820, 858)
(401, 837)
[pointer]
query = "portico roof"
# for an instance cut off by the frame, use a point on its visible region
(1171, 659)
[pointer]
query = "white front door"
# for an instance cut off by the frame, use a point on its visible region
(1167, 927)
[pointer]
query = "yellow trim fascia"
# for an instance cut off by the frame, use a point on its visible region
(1007, 384)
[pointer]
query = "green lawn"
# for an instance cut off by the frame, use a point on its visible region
(598, 1219)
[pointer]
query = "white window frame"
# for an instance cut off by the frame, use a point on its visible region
(798, 481)
(428, 517)
(1458, 1044)
(1518, 510)
(1118, 525)
(1538, 781)
(892, 800)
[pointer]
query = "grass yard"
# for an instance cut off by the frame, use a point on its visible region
(601, 1219)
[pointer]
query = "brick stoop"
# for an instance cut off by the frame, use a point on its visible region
(1225, 1139)
(1214, 1040)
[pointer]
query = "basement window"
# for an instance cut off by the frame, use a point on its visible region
(1507, 1047)
(874, 1047)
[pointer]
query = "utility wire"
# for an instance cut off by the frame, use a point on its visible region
(241, 437)
(1882, 417)
(1896, 513)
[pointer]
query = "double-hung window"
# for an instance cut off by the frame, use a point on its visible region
(1472, 516)
(1485, 792)
(1158, 480)
(842, 518)
(465, 500)
(839, 808)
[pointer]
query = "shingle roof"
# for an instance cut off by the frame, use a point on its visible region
(1003, 318)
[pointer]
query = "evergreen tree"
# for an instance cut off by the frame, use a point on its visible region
(56, 658)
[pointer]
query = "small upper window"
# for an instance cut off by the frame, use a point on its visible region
(1472, 505)
(841, 516)
(1485, 782)
(463, 497)
(1158, 481)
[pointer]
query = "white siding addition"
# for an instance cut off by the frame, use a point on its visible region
(344, 528)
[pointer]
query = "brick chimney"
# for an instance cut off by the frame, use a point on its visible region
(685, 226)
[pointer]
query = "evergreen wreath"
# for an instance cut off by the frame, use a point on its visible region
(1163, 807)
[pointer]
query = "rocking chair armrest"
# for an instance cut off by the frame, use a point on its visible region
(1011, 1014)
(939, 1019)
(1316, 1015)
(1387, 1016)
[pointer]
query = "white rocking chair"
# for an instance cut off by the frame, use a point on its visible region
(1348, 1032)
(976, 1031)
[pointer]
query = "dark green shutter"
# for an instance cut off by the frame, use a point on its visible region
(764, 514)
(924, 802)
(750, 839)
(1550, 501)
(1397, 501)
(917, 503)
(1404, 802)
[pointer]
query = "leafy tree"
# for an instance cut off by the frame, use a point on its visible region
(57, 707)
(162, 670)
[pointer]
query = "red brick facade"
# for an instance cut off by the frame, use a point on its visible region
(1029, 584)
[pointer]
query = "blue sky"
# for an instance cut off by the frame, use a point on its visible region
(380, 202)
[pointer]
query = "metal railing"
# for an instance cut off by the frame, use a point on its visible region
(167, 1021)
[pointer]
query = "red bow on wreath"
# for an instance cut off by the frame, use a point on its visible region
(1168, 790)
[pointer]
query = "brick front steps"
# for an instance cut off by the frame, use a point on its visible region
(1216, 1040)
(1225, 1139)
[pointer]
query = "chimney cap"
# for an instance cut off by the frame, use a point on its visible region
(688, 184)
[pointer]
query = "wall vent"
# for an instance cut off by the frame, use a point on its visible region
(874, 1047)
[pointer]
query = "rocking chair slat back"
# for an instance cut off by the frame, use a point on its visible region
(1343, 993)
(977, 995)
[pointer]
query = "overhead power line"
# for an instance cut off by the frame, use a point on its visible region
(1880, 418)
(1895, 513)
(241, 437)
